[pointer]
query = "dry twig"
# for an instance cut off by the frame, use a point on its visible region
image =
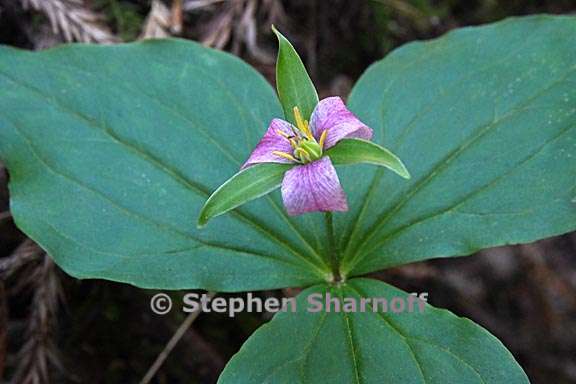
(27, 251)
(39, 353)
(73, 20)
(176, 17)
(186, 324)
(163, 22)
(3, 327)
(236, 23)
(5, 215)
(158, 22)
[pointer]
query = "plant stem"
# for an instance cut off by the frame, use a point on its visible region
(332, 248)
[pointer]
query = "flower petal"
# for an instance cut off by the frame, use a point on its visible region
(313, 187)
(272, 141)
(331, 113)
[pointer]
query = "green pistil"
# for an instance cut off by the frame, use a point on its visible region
(311, 149)
(305, 147)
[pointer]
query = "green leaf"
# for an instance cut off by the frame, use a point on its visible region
(295, 88)
(358, 151)
(485, 120)
(113, 150)
(431, 347)
(248, 184)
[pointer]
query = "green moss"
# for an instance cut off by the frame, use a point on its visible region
(125, 17)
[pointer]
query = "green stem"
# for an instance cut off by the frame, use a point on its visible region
(332, 247)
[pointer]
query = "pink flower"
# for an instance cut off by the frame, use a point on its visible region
(312, 185)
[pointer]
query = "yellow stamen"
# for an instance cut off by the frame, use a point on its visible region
(323, 138)
(302, 124)
(293, 143)
(299, 120)
(283, 134)
(285, 155)
(308, 131)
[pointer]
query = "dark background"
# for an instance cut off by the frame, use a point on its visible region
(54, 328)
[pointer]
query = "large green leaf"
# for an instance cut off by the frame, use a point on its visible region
(112, 151)
(485, 120)
(429, 347)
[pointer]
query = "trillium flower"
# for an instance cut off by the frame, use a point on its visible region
(299, 156)
(312, 185)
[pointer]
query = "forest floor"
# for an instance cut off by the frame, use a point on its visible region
(64, 330)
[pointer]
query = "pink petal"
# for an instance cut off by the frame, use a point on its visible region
(272, 141)
(313, 187)
(331, 113)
